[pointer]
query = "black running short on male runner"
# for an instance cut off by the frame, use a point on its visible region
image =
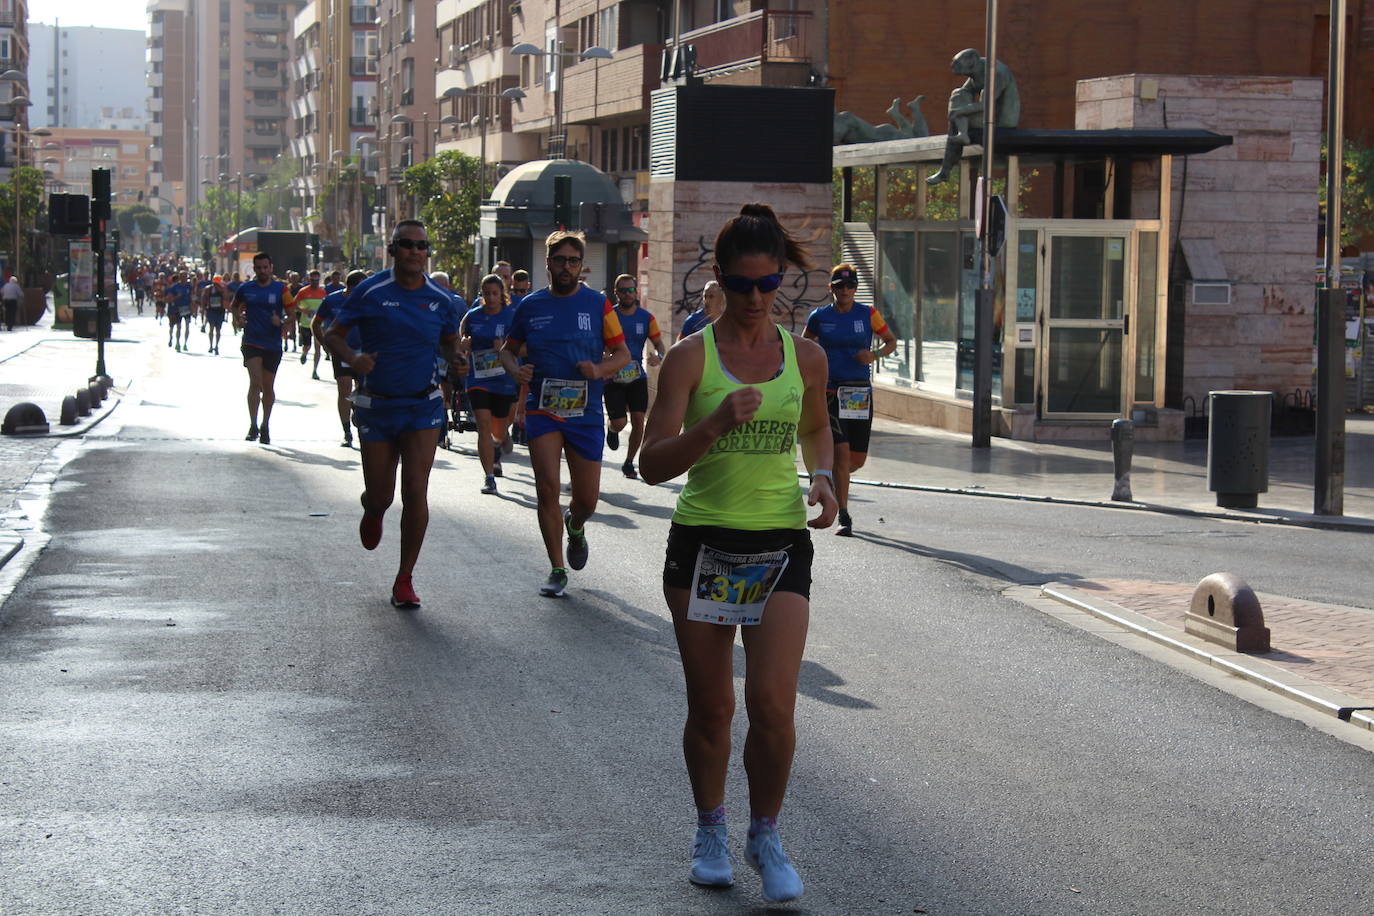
(632, 397)
(684, 542)
(498, 404)
(271, 359)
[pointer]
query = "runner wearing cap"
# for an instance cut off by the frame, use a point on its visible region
(845, 330)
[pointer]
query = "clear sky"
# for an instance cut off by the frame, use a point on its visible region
(107, 14)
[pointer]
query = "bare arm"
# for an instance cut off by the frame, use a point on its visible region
(507, 354)
(618, 358)
(813, 432)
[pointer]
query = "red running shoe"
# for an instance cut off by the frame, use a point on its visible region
(403, 596)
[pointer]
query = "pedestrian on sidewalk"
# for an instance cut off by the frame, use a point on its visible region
(10, 294)
(573, 344)
(261, 308)
(733, 400)
(403, 319)
(845, 330)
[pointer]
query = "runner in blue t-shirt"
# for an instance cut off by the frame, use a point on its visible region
(343, 372)
(712, 304)
(216, 298)
(628, 393)
(491, 390)
(845, 330)
(566, 329)
(261, 307)
(177, 295)
(403, 320)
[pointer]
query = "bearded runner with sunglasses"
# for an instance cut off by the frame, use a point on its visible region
(733, 402)
(845, 330)
(573, 344)
(403, 320)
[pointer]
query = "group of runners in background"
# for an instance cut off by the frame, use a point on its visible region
(735, 395)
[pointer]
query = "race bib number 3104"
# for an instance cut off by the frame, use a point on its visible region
(731, 589)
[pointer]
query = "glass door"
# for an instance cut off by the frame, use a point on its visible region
(1084, 353)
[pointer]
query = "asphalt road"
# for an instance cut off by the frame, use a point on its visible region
(208, 705)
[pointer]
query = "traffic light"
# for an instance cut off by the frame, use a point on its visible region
(69, 214)
(562, 201)
(100, 194)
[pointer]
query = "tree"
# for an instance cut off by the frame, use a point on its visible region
(1357, 192)
(449, 189)
(276, 197)
(137, 219)
(31, 208)
(218, 214)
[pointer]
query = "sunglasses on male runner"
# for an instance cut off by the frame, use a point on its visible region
(417, 244)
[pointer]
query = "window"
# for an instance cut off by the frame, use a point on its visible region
(408, 21)
(408, 81)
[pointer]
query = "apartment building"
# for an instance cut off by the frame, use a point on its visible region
(170, 84)
(14, 55)
(70, 153)
(407, 113)
(307, 136)
(81, 76)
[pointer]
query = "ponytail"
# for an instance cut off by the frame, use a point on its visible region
(756, 230)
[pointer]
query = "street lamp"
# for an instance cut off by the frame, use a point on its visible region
(513, 94)
(557, 139)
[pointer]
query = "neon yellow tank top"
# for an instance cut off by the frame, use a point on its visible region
(748, 479)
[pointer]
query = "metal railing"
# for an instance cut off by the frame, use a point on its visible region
(362, 15)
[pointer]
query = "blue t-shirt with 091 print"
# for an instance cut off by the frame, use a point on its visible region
(260, 304)
(559, 332)
(403, 327)
(488, 332)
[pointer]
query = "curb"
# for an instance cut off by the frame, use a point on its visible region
(10, 544)
(1257, 671)
(1336, 523)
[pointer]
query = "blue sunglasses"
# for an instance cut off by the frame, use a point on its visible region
(745, 285)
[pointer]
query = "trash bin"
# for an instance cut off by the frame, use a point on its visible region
(83, 322)
(1238, 446)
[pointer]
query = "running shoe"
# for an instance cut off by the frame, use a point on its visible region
(577, 542)
(628, 468)
(315, 374)
(263, 436)
(780, 880)
(558, 581)
(403, 597)
(490, 486)
(846, 529)
(711, 858)
(252, 433)
(370, 528)
(347, 441)
(612, 439)
(303, 354)
(496, 468)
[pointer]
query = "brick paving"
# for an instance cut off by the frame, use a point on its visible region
(1325, 643)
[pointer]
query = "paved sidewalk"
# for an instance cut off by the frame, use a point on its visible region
(1167, 476)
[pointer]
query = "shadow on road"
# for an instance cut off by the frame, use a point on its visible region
(971, 562)
(315, 459)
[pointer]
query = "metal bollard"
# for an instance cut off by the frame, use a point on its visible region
(1123, 446)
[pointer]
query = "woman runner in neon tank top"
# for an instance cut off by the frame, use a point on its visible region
(733, 401)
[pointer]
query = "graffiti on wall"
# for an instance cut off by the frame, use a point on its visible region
(801, 292)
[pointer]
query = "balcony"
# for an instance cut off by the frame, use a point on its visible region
(274, 110)
(7, 19)
(760, 37)
(254, 139)
(362, 66)
(599, 89)
(255, 81)
(258, 51)
(154, 104)
(359, 117)
(362, 15)
(258, 22)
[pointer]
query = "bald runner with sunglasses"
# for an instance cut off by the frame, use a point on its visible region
(403, 320)
(845, 330)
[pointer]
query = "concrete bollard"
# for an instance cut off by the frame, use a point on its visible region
(1225, 610)
(83, 402)
(1123, 447)
(68, 417)
(97, 393)
(24, 419)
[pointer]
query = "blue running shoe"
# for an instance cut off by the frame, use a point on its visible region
(711, 858)
(780, 880)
